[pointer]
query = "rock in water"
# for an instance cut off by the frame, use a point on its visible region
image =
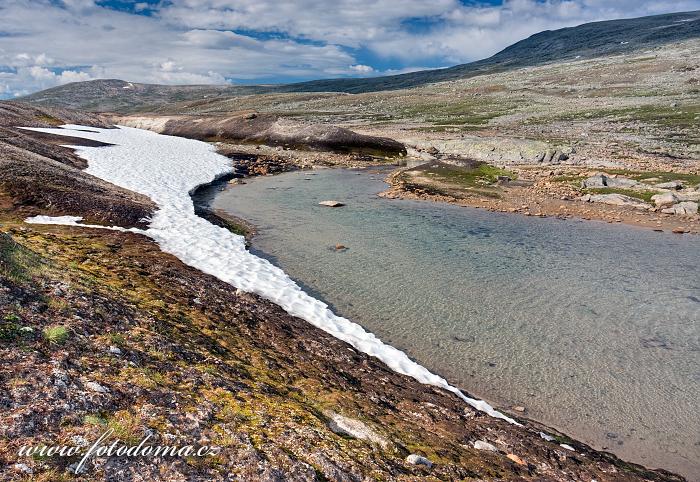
(331, 204)
(416, 459)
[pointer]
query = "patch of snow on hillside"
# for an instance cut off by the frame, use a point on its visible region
(167, 169)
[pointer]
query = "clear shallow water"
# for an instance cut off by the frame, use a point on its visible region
(592, 327)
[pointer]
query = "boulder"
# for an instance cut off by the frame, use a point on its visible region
(96, 387)
(675, 185)
(622, 182)
(685, 207)
(596, 181)
(350, 427)
(331, 204)
(688, 196)
(516, 459)
(416, 459)
(481, 445)
(601, 181)
(619, 200)
(664, 199)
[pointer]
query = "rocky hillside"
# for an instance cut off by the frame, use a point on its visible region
(586, 41)
(101, 330)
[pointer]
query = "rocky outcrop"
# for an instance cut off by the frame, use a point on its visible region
(616, 200)
(682, 208)
(44, 178)
(601, 180)
(664, 199)
(267, 129)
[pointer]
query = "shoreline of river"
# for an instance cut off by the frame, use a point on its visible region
(509, 410)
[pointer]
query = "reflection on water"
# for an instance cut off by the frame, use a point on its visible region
(593, 328)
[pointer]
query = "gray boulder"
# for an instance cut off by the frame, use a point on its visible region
(664, 199)
(416, 459)
(619, 200)
(675, 185)
(622, 182)
(601, 181)
(481, 445)
(597, 181)
(686, 207)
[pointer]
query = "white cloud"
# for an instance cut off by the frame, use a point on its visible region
(47, 42)
(362, 69)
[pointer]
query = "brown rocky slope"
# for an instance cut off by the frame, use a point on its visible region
(101, 330)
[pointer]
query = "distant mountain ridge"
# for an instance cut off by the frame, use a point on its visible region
(589, 40)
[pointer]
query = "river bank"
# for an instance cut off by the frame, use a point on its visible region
(507, 306)
(142, 334)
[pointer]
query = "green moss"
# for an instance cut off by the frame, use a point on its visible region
(662, 176)
(480, 175)
(573, 178)
(49, 120)
(127, 427)
(9, 331)
(16, 263)
(56, 334)
(95, 419)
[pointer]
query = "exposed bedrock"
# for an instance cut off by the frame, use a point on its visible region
(249, 127)
(41, 177)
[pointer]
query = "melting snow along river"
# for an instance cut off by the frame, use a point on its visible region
(593, 328)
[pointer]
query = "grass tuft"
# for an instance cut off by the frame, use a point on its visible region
(57, 335)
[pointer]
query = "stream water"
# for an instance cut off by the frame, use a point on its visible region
(593, 328)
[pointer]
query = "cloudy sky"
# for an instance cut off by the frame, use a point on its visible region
(44, 43)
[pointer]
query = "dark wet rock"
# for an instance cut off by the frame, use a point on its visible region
(655, 342)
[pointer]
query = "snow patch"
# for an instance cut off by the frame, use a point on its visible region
(167, 169)
(75, 221)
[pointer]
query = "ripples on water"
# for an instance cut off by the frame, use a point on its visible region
(592, 327)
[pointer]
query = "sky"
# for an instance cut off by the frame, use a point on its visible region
(44, 43)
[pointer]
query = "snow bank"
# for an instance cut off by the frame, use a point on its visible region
(167, 169)
(75, 221)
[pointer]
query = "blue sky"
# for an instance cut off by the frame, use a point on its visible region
(44, 43)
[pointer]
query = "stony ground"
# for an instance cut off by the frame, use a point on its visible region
(100, 330)
(552, 125)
